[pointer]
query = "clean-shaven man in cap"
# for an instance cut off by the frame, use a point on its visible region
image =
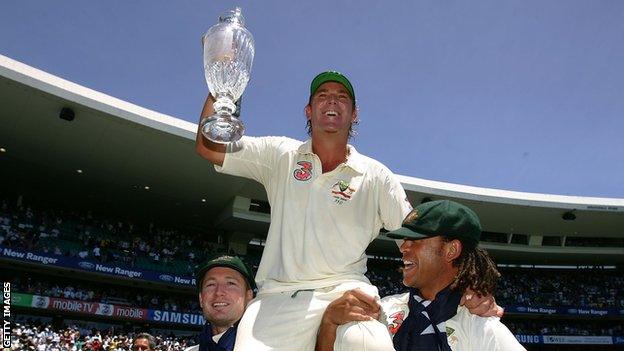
(442, 261)
(226, 285)
(328, 202)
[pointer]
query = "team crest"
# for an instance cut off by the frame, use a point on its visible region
(411, 217)
(452, 339)
(304, 172)
(342, 192)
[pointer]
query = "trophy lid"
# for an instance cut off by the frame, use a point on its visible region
(233, 16)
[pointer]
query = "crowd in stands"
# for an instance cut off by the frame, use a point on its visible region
(35, 337)
(89, 237)
(41, 336)
(103, 293)
(386, 276)
(513, 291)
(568, 327)
(594, 288)
(93, 237)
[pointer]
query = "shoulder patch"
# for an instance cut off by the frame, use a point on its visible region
(304, 172)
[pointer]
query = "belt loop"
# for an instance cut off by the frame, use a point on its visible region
(297, 292)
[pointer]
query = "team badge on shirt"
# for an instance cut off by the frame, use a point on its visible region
(452, 339)
(342, 192)
(304, 172)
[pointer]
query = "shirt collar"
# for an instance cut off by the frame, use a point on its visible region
(305, 148)
(354, 161)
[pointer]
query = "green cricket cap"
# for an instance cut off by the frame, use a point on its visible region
(228, 261)
(331, 76)
(441, 217)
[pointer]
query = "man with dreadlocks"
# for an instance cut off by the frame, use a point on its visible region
(442, 261)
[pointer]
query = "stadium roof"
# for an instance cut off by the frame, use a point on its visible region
(137, 158)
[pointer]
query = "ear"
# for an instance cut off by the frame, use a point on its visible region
(453, 250)
(308, 112)
(354, 115)
(201, 301)
(249, 295)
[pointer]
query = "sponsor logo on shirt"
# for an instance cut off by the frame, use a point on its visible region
(342, 192)
(396, 319)
(304, 172)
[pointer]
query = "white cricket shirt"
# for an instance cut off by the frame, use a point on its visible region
(321, 223)
(465, 331)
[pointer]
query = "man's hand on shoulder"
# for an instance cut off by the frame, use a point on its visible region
(483, 306)
(353, 305)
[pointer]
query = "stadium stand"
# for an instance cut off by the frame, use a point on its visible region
(590, 287)
(104, 240)
(66, 233)
(55, 232)
(70, 235)
(570, 327)
(72, 289)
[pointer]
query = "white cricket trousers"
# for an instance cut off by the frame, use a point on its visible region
(290, 321)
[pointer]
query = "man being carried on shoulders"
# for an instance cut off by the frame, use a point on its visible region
(328, 202)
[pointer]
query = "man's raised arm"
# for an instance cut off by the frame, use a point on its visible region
(207, 149)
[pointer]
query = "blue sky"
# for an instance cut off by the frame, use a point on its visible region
(521, 95)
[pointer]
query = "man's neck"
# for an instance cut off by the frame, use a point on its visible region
(216, 330)
(331, 151)
(429, 292)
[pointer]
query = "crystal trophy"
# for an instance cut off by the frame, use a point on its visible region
(228, 54)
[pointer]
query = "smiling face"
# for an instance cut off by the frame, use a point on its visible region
(331, 110)
(428, 264)
(223, 297)
(141, 344)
